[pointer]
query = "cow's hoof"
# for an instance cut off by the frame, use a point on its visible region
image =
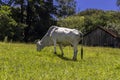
(55, 53)
(74, 59)
(62, 55)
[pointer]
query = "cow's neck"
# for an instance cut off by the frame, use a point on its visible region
(46, 41)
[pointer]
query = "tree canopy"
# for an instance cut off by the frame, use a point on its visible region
(65, 7)
(28, 20)
(91, 18)
(118, 3)
(34, 14)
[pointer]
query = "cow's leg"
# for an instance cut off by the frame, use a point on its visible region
(75, 52)
(61, 49)
(54, 46)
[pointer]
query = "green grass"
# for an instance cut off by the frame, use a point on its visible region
(20, 61)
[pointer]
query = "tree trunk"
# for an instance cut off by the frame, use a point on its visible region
(28, 22)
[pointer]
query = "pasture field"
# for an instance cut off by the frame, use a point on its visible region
(19, 61)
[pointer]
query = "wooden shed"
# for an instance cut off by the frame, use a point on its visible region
(100, 36)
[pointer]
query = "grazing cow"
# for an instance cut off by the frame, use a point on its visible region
(61, 36)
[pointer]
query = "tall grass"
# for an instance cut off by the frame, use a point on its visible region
(22, 62)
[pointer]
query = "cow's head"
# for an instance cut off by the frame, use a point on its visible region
(39, 45)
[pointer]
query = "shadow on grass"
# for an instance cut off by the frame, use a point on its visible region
(64, 58)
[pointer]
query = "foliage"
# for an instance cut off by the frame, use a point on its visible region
(8, 26)
(118, 3)
(35, 14)
(23, 62)
(6, 22)
(34, 17)
(65, 7)
(28, 20)
(76, 22)
(93, 18)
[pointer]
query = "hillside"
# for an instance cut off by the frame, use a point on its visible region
(19, 61)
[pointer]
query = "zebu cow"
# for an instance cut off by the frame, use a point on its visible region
(61, 36)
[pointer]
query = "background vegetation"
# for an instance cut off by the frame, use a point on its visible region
(90, 18)
(28, 20)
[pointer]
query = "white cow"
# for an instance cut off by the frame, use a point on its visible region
(61, 36)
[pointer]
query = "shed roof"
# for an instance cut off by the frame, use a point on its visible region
(113, 33)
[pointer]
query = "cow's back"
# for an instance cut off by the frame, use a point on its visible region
(65, 35)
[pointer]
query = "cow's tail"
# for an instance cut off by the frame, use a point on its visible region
(82, 40)
(81, 37)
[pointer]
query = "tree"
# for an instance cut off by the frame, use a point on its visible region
(36, 14)
(75, 21)
(7, 2)
(118, 3)
(65, 7)
(22, 7)
(38, 18)
(91, 18)
(8, 26)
